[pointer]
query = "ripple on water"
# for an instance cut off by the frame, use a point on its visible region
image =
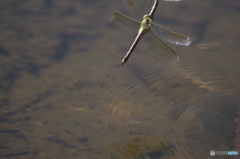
(209, 124)
(151, 104)
(200, 95)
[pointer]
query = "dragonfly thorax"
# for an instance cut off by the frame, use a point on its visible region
(146, 22)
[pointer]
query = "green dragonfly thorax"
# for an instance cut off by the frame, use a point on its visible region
(145, 24)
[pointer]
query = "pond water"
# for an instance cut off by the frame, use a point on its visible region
(64, 94)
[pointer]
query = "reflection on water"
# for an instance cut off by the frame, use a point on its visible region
(63, 93)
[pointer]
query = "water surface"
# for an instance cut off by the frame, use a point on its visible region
(64, 94)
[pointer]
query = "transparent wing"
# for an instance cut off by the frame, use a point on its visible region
(158, 46)
(171, 36)
(125, 22)
(132, 7)
(137, 8)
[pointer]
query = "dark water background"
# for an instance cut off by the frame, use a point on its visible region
(63, 93)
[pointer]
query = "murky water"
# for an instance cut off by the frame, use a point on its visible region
(64, 94)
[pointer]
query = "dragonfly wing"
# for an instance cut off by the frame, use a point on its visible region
(125, 22)
(132, 7)
(171, 36)
(158, 46)
(138, 7)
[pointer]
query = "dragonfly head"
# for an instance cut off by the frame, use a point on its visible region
(145, 16)
(147, 20)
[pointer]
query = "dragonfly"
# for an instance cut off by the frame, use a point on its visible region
(152, 33)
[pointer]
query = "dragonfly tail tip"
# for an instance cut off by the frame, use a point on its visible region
(124, 60)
